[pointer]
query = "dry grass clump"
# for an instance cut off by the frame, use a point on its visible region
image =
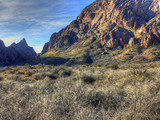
(80, 92)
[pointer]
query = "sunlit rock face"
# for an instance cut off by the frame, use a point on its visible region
(114, 23)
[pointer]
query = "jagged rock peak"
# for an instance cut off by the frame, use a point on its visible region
(114, 23)
(23, 42)
(2, 43)
(16, 53)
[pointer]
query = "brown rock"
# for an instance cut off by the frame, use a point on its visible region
(132, 41)
(114, 23)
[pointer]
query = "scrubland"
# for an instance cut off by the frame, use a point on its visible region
(128, 91)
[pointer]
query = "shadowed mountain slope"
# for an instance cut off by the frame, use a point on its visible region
(16, 53)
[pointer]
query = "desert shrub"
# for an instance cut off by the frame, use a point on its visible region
(49, 67)
(88, 79)
(99, 100)
(14, 66)
(41, 65)
(14, 77)
(21, 72)
(61, 72)
(47, 78)
(98, 65)
(1, 78)
(96, 99)
(99, 83)
(68, 99)
(64, 107)
(139, 73)
(6, 87)
(39, 76)
(28, 65)
(65, 73)
(29, 73)
(11, 71)
(4, 72)
(106, 65)
(155, 88)
(114, 66)
(51, 75)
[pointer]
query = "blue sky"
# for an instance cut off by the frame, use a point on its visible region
(36, 20)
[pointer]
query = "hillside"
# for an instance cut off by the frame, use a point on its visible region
(108, 24)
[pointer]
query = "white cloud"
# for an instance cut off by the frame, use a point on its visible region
(9, 40)
(35, 20)
(38, 49)
(51, 24)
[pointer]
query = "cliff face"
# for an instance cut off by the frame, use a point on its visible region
(112, 23)
(16, 53)
(2, 52)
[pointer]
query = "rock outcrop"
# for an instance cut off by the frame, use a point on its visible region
(2, 53)
(16, 53)
(112, 23)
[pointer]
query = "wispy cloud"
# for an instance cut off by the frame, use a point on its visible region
(9, 40)
(38, 49)
(36, 19)
(22, 11)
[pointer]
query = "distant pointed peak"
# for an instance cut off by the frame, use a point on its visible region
(1, 43)
(23, 42)
(13, 44)
(23, 39)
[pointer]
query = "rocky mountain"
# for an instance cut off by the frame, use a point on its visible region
(2, 52)
(16, 53)
(109, 23)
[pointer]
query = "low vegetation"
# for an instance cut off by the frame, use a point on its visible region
(82, 92)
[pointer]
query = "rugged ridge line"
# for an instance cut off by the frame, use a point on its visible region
(112, 23)
(15, 53)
